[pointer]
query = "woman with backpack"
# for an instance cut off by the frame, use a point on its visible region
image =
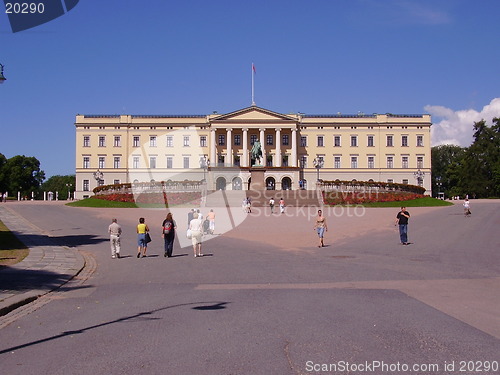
(168, 233)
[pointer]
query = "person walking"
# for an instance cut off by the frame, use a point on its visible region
(115, 231)
(402, 220)
(211, 221)
(466, 207)
(271, 204)
(196, 227)
(320, 227)
(190, 215)
(168, 228)
(282, 205)
(142, 243)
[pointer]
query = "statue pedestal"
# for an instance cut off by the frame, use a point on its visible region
(257, 175)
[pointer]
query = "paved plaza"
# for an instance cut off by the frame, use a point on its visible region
(263, 300)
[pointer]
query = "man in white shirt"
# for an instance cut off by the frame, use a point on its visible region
(115, 231)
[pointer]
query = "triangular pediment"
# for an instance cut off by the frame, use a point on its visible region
(253, 113)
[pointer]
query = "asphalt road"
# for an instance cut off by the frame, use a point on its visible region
(266, 300)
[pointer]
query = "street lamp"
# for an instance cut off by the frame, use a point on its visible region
(2, 77)
(98, 175)
(318, 163)
(204, 163)
(69, 190)
(419, 175)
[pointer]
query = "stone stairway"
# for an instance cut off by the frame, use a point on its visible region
(260, 198)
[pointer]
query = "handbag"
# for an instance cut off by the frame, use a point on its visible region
(148, 237)
(189, 235)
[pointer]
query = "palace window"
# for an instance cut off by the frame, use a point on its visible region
(136, 141)
(222, 140)
(152, 141)
(354, 141)
(371, 161)
(203, 141)
(253, 139)
(86, 141)
(404, 141)
(303, 161)
(269, 140)
(390, 162)
(303, 141)
(86, 162)
(404, 161)
(320, 141)
(336, 162)
(354, 161)
(116, 182)
(116, 162)
(117, 141)
(102, 162)
(284, 161)
(286, 139)
(170, 162)
(389, 141)
(185, 161)
(86, 185)
(170, 141)
(102, 141)
(135, 162)
(336, 141)
(237, 140)
(420, 161)
(370, 141)
(185, 140)
(420, 140)
(152, 162)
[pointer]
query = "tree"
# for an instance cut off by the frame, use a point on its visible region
(446, 166)
(481, 161)
(3, 177)
(62, 184)
(23, 174)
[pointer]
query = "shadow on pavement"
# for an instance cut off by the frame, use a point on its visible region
(72, 241)
(146, 315)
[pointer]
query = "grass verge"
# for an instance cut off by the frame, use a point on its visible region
(419, 202)
(12, 250)
(94, 202)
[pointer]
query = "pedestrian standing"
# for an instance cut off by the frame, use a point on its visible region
(190, 215)
(402, 220)
(320, 227)
(168, 228)
(249, 205)
(142, 243)
(115, 231)
(271, 204)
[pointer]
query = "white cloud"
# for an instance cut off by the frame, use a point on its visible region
(456, 127)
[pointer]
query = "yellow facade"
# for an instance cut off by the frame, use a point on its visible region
(127, 148)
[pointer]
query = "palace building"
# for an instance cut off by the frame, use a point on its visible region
(298, 149)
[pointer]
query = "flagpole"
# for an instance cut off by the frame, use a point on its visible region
(253, 91)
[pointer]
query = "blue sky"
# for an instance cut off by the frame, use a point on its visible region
(194, 57)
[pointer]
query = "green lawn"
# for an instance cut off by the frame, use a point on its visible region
(420, 202)
(12, 250)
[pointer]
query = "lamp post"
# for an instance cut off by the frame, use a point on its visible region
(69, 190)
(419, 176)
(204, 163)
(2, 77)
(98, 175)
(318, 163)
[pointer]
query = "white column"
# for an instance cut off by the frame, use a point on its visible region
(262, 140)
(244, 162)
(278, 147)
(229, 141)
(213, 147)
(294, 147)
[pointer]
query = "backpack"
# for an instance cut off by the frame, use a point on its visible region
(167, 228)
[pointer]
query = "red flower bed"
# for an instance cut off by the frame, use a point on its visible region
(170, 199)
(333, 198)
